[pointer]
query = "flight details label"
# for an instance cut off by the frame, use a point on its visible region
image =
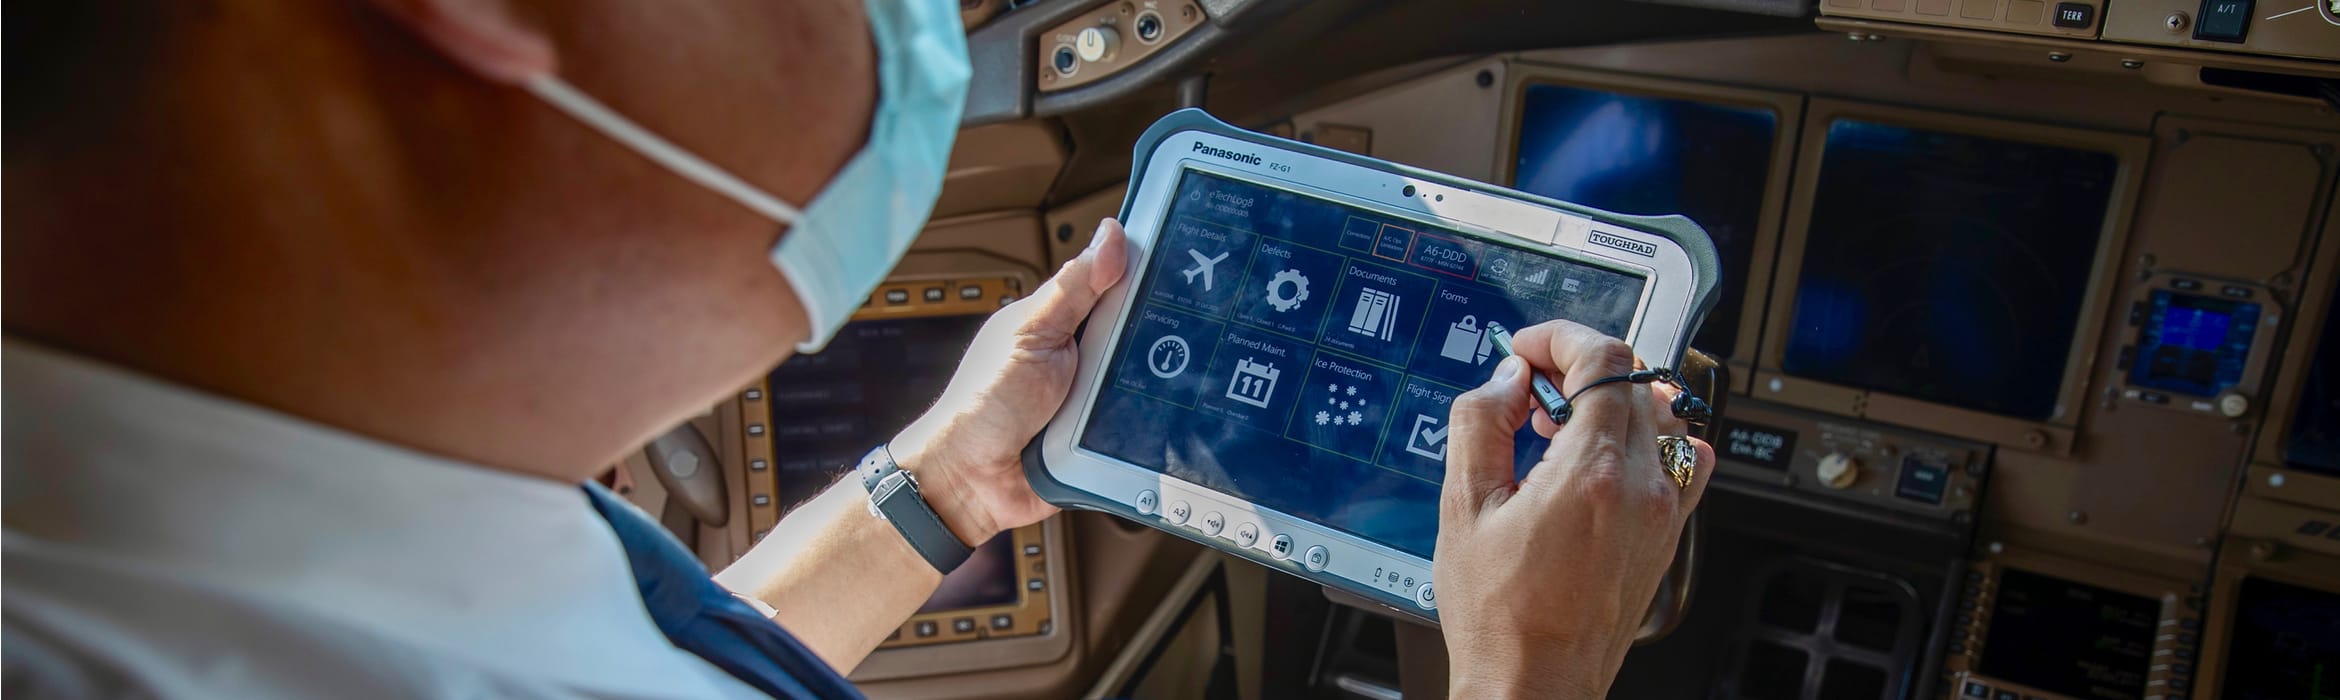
(1760, 445)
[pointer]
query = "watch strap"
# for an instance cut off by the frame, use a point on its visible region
(894, 497)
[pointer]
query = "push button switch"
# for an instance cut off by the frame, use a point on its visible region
(2075, 15)
(2222, 20)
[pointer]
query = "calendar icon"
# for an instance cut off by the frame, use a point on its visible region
(1253, 382)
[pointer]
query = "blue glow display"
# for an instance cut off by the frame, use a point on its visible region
(2194, 345)
(1655, 156)
(1947, 267)
(1302, 355)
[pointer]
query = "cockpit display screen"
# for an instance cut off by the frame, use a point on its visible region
(2285, 643)
(1301, 354)
(2070, 638)
(2315, 430)
(2194, 344)
(1948, 267)
(1655, 156)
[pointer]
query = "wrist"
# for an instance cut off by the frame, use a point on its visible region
(1509, 670)
(944, 481)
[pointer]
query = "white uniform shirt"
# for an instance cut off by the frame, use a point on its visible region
(161, 542)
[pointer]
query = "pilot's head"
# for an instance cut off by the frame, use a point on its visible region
(527, 233)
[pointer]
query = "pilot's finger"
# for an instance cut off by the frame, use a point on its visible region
(1479, 454)
(1066, 299)
(1581, 356)
(1662, 395)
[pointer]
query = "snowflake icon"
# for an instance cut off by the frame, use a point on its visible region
(1352, 391)
(1344, 405)
(1356, 418)
(1323, 418)
(1332, 388)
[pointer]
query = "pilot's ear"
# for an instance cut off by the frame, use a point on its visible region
(483, 36)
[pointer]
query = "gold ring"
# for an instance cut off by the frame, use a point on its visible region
(1680, 458)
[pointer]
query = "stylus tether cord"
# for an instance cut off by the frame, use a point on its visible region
(1687, 405)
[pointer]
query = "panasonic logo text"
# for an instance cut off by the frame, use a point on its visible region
(1245, 158)
(1631, 246)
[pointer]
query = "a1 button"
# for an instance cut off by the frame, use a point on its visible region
(1426, 596)
(1178, 513)
(1246, 534)
(1317, 557)
(1213, 522)
(1281, 546)
(1147, 501)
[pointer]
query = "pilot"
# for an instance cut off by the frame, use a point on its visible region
(319, 314)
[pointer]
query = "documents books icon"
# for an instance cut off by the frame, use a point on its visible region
(1375, 314)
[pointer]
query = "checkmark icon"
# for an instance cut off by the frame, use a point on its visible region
(1427, 438)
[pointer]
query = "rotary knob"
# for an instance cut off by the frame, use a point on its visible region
(1097, 44)
(1838, 470)
(2233, 405)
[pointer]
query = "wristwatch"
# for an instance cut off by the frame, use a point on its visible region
(894, 498)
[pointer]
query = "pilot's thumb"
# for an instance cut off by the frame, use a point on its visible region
(1068, 297)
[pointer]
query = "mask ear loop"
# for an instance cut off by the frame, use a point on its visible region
(691, 167)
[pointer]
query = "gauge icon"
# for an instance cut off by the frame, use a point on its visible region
(1168, 357)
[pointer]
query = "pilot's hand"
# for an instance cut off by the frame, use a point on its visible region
(967, 450)
(1543, 580)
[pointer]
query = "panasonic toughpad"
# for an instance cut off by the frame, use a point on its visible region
(1274, 374)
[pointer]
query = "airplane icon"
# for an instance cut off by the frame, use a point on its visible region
(1202, 266)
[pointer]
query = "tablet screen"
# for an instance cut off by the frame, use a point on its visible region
(1301, 354)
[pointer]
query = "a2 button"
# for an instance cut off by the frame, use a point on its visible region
(1178, 513)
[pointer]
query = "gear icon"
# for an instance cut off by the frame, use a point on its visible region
(1287, 302)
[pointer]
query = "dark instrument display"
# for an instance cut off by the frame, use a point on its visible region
(2285, 643)
(1948, 267)
(2070, 638)
(1654, 156)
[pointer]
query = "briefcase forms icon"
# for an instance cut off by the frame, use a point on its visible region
(1466, 342)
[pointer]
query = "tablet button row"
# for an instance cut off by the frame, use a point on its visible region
(1246, 535)
(1426, 597)
(1281, 547)
(1213, 522)
(1178, 513)
(1317, 557)
(1147, 501)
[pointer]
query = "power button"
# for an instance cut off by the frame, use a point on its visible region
(1426, 596)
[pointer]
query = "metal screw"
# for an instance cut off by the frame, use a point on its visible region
(2175, 22)
(1064, 233)
(1485, 78)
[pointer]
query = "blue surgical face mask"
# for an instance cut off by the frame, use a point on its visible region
(838, 249)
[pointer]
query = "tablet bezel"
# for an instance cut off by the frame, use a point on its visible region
(1667, 309)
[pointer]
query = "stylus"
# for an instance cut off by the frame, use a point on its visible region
(1547, 394)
